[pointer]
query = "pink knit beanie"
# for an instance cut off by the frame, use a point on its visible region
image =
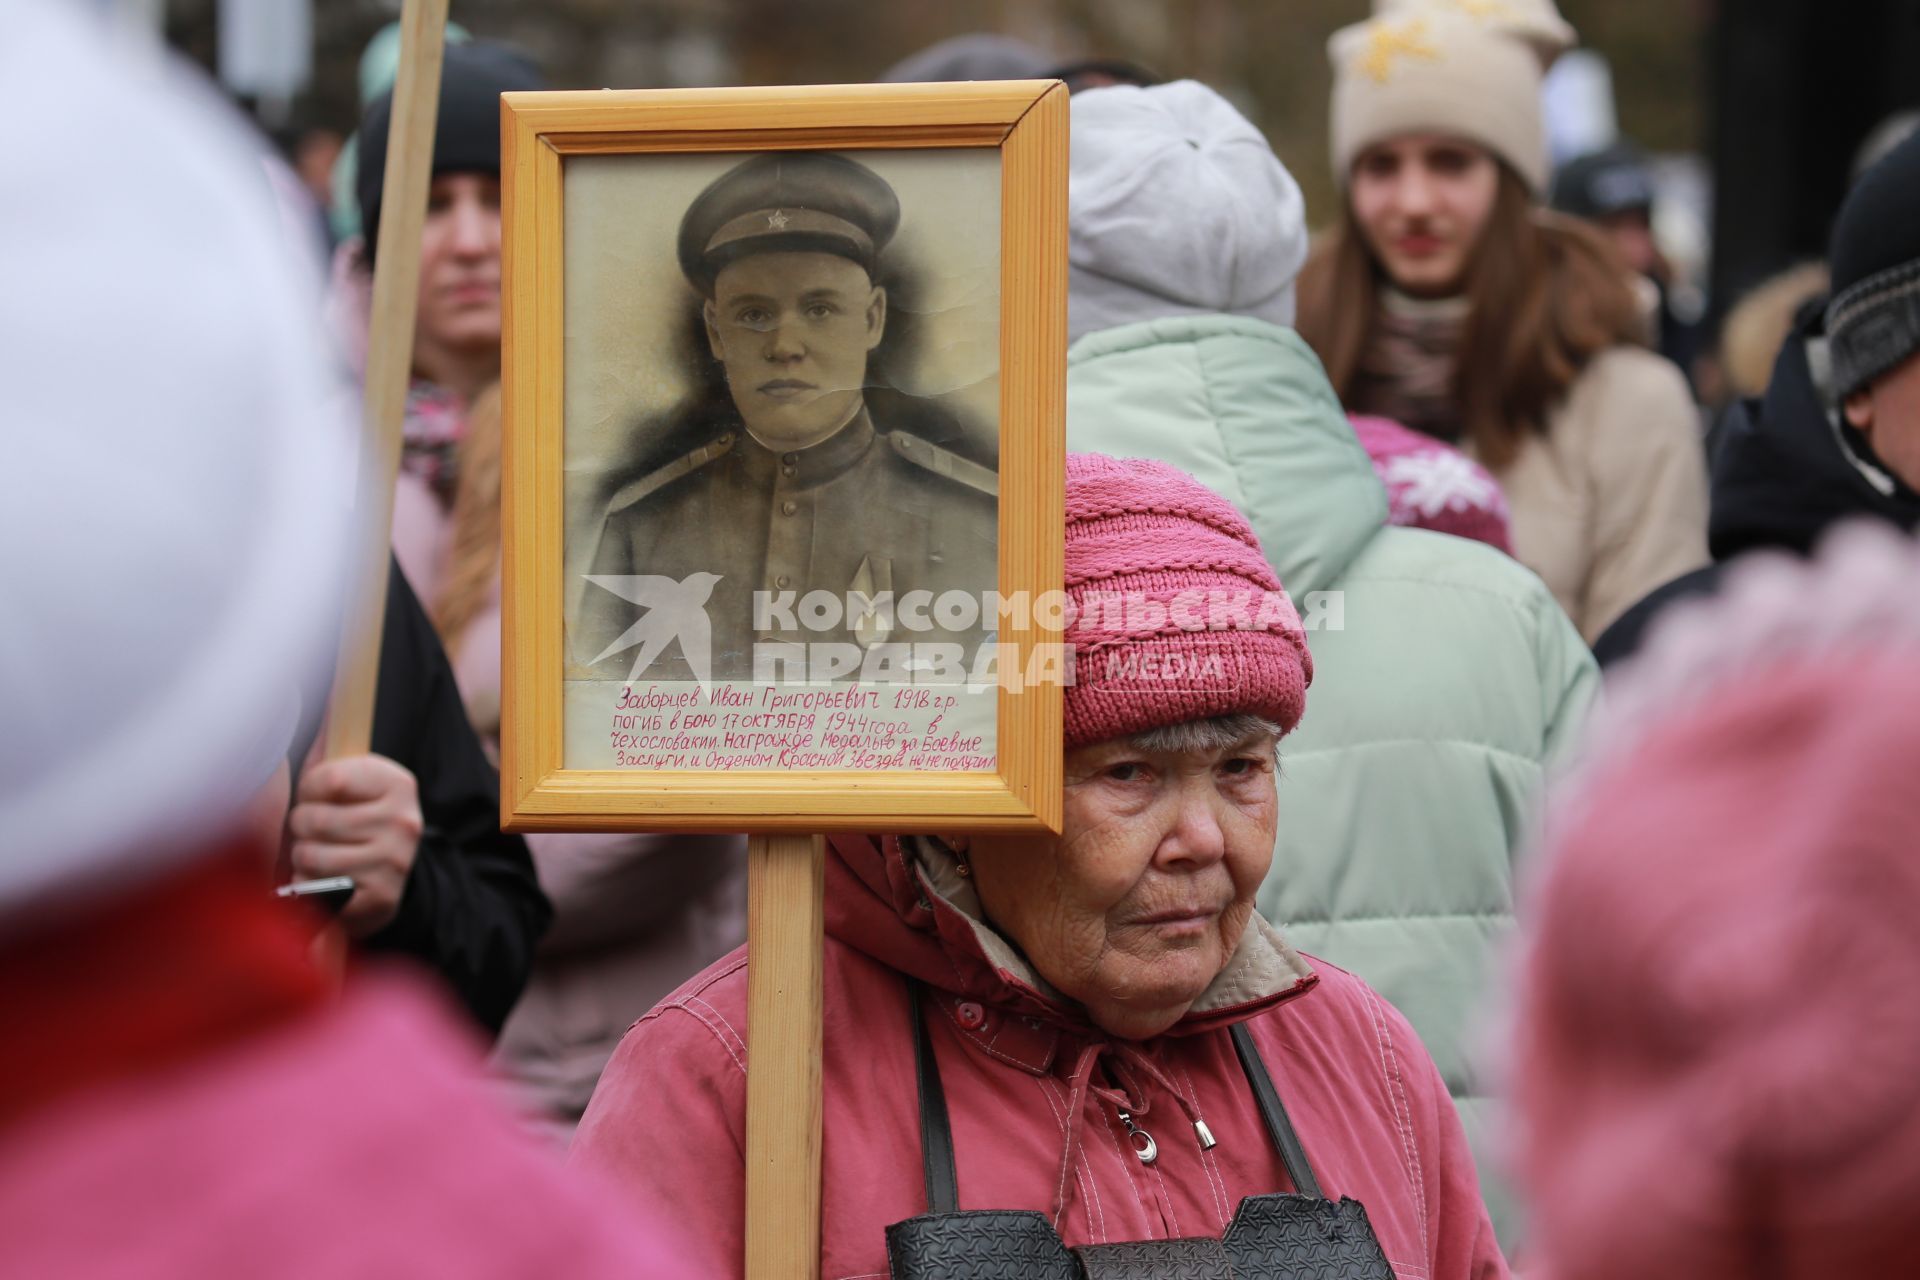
(1718, 1043)
(1431, 485)
(1176, 615)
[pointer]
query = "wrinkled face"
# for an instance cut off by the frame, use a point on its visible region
(460, 264)
(1422, 201)
(1888, 411)
(793, 331)
(1140, 901)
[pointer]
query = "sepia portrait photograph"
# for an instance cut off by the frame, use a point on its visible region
(781, 458)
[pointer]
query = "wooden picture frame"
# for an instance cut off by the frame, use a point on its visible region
(1025, 122)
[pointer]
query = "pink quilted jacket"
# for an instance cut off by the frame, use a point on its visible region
(667, 1120)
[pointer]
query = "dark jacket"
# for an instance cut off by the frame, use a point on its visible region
(473, 910)
(1784, 470)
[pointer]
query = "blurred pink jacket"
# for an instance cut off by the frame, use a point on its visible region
(358, 1141)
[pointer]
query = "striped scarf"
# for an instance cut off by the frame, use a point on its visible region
(1406, 369)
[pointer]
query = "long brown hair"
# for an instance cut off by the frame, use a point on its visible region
(473, 553)
(1546, 294)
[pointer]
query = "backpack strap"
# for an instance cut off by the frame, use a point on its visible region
(936, 1134)
(1274, 1112)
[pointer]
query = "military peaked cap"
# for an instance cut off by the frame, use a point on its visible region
(788, 201)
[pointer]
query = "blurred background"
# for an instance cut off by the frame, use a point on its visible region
(1753, 111)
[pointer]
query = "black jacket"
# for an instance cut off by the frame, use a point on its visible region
(472, 910)
(1784, 470)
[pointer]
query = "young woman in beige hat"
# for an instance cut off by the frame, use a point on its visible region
(1448, 300)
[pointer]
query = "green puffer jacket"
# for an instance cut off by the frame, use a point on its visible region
(1446, 680)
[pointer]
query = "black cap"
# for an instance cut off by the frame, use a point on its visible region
(1602, 183)
(791, 201)
(1100, 73)
(1873, 322)
(466, 134)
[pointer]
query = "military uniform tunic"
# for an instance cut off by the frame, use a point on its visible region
(862, 511)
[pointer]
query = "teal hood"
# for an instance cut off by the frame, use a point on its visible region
(1244, 407)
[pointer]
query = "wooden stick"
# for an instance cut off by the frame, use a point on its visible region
(786, 931)
(396, 288)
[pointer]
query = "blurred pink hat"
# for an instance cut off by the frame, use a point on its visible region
(1432, 485)
(1717, 1049)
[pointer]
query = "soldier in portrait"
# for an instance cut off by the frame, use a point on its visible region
(796, 489)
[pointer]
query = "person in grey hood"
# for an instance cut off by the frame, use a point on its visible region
(1448, 680)
(1202, 220)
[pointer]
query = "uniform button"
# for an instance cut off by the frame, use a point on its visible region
(788, 508)
(783, 581)
(971, 1015)
(900, 443)
(727, 438)
(790, 458)
(787, 471)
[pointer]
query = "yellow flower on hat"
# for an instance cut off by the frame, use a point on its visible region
(1428, 67)
(1538, 22)
(1390, 40)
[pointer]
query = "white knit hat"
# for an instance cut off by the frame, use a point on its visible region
(1434, 71)
(1176, 206)
(1537, 22)
(173, 506)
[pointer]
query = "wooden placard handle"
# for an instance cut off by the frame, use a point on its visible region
(396, 289)
(786, 932)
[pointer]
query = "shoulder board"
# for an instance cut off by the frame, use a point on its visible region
(634, 490)
(943, 462)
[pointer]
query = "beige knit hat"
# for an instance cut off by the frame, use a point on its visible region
(1433, 70)
(1537, 22)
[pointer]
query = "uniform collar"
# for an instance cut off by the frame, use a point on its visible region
(828, 460)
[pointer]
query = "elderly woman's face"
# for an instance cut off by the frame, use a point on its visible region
(1141, 900)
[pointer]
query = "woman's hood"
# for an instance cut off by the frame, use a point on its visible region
(902, 901)
(1244, 407)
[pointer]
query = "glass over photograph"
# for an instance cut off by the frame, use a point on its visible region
(781, 420)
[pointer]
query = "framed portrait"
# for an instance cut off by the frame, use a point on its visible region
(783, 383)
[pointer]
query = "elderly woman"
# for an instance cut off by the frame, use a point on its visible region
(1085, 1026)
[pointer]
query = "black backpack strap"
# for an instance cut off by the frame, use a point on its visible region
(936, 1135)
(1272, 1110)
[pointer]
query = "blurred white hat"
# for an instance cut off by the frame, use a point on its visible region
(174, 505)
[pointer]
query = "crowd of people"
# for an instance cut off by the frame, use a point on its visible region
(1402, 947)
